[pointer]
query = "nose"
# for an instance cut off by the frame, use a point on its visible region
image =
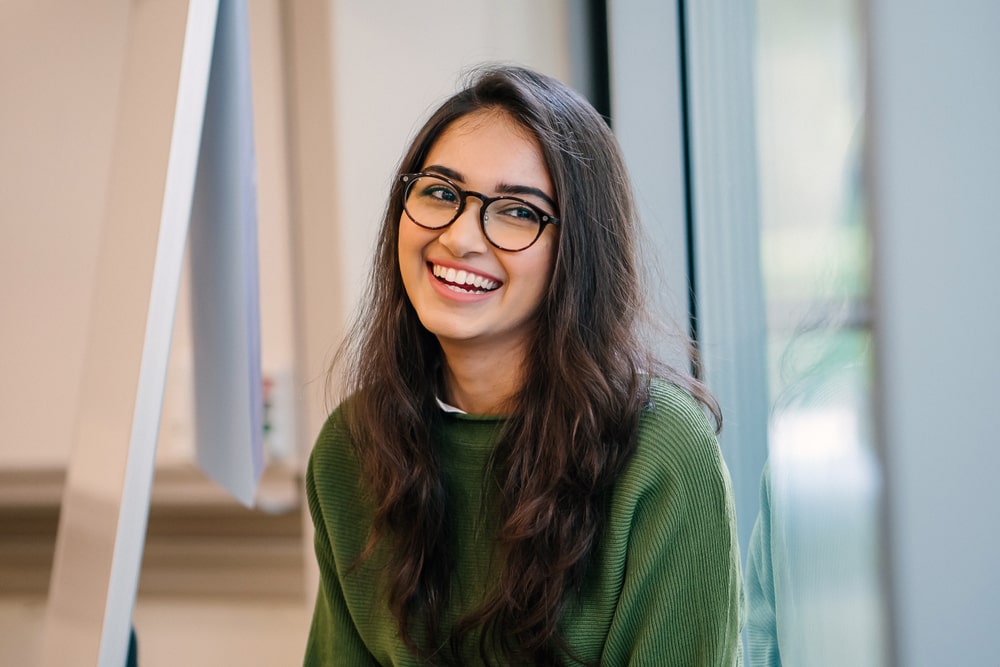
(464, 236)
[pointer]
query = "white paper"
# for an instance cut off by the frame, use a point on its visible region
(224, 271)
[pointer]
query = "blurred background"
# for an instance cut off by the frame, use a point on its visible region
(818, 185)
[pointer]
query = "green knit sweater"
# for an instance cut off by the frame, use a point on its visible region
(664, 589)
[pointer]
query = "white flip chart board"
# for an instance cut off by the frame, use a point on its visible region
(168, 98)
(224, 277)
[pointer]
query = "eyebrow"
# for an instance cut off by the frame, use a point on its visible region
(501, 188)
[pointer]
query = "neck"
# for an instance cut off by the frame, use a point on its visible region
(482, 382)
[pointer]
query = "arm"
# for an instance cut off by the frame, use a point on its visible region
(333, 637)
(681, 599)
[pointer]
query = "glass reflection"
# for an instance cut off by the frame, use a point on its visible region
(812, 572)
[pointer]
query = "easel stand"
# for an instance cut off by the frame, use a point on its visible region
(167, 98)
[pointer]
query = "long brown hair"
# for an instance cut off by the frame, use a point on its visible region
(573, 424)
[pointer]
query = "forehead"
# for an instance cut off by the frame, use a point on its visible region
(490, 145)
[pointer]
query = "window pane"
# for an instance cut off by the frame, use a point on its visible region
(815, 596)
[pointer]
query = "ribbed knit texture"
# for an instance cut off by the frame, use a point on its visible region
(664, 590)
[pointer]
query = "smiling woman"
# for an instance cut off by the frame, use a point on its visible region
(514, 479)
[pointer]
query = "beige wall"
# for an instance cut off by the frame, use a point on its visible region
(60, 68)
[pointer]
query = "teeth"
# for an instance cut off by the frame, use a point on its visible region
(461, 277)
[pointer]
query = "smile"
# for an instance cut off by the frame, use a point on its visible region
(464, 281)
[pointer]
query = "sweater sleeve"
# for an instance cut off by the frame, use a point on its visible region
(333, 637)
(681, 599)
(762, 625)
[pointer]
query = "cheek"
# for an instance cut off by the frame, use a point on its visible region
(402, 236)
(537, 271)
(546, 259)
(409, 245)
(411, 239)
(408, 257)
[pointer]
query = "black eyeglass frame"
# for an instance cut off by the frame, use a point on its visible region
(463, 195)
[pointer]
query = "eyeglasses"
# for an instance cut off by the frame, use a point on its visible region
(508, 223)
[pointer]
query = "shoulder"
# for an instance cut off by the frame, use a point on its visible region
(333, 464)
(334, 437)
(676, 452)
(674, 427)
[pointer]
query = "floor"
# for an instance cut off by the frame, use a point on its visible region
(220, 584)
(179, 630)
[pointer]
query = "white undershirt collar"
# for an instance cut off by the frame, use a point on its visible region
(449, 408)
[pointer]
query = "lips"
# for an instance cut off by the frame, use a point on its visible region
(463, 280)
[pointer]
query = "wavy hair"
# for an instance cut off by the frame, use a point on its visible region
(572, 427)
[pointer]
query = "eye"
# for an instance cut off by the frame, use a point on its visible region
(515, 212)
(440, 192)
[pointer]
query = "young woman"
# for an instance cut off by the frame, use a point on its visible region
(513, 480)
